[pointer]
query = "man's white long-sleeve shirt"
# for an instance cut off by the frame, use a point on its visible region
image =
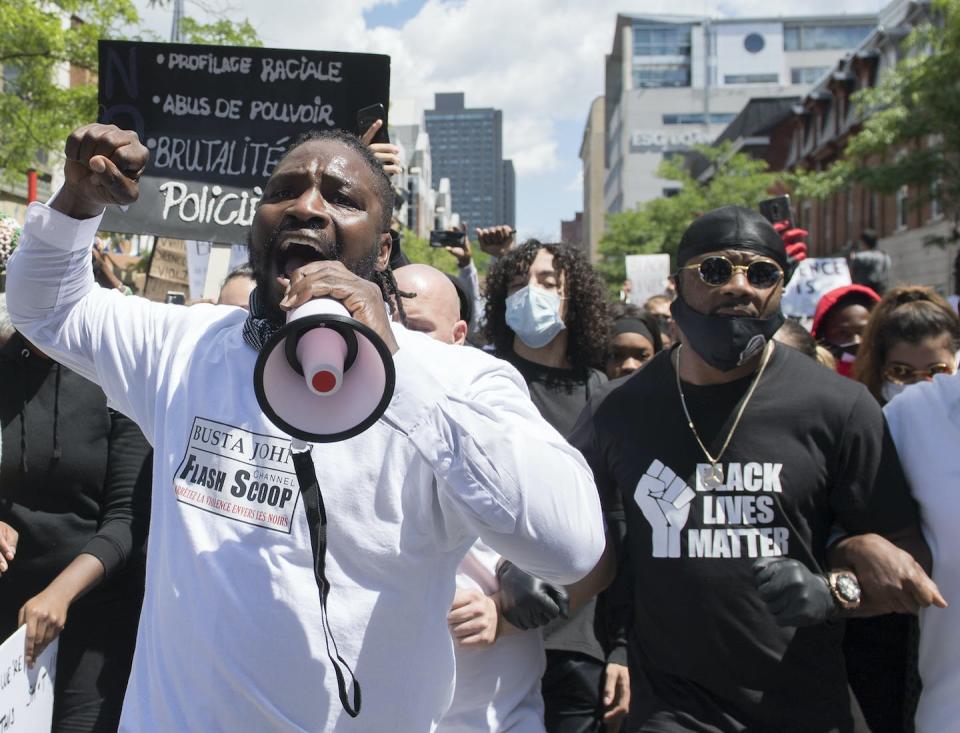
(230, 635)
(925, 425)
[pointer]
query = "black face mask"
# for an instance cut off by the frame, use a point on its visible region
(724, 342)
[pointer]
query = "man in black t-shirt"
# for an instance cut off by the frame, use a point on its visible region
(546, 314)
(734, 459)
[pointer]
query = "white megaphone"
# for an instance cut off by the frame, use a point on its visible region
(324, 376)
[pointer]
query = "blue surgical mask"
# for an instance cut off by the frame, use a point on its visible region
(534, 315)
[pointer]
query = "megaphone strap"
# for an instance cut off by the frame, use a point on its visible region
(317, 522)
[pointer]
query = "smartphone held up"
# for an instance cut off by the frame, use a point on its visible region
(777, 209)
(367, 116)
(443, 238)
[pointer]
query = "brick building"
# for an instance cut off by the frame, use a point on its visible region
(812, 134)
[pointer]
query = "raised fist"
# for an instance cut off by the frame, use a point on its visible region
(104, 165)
(495, 240)
(794, 239)
(664, 498)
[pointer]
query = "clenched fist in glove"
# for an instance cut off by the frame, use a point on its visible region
(795, 595)
(528, 602)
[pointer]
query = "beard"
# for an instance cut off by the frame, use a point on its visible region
(263, 259)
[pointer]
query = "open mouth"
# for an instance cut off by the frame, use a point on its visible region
(292, 255)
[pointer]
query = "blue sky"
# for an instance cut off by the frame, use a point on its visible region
(540, 61)
(392, 15)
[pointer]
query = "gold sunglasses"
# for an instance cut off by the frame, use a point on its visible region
(717, 270)
(902, 374)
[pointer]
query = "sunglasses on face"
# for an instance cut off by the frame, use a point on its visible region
(902, 374)
(717, 270)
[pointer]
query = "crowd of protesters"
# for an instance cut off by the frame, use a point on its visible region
(686, 514)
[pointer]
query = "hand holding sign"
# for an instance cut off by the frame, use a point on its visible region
(104, 164)
(387, 153)
(44, 615)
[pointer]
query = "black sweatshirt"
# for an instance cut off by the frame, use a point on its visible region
(561, 395)
(68, 468)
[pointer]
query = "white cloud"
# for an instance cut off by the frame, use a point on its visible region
(540, 61)
(576, 183)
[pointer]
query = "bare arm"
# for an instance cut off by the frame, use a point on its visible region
(595, 582)
(892, 571)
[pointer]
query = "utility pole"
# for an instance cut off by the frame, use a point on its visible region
(177, 15)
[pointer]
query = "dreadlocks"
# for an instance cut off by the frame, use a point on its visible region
(392, 293)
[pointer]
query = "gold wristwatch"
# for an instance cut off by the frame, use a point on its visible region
(845, 589)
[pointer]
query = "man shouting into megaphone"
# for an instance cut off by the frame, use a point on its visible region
(233, 633)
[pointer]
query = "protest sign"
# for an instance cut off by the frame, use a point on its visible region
(199, 255)
(648, 275)
(26, 695)
(813, 278)
(217, 119)
(168, 269)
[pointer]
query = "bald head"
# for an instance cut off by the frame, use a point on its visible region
(436, 309)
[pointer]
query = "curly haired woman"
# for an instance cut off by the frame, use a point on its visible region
(547, 314)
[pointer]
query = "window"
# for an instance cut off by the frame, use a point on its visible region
(9, 73)
(903, 207)
(936, 205)
(850, 213)
(670, 192)
(808, 222)
(661, 40)
(754, 43)
(693, 118)
(807, 74)
(824, 37)
(665, 75)
(791, 39)
(751, 78)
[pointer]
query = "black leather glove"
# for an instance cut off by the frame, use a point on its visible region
(794, 595)
(528, 602)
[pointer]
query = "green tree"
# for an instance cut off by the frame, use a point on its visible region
(418, 249)
(219, 33)
(36, 111)
(911, 123)
(37, 39)
(656, 226)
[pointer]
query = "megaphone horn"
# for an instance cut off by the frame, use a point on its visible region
(324, 376)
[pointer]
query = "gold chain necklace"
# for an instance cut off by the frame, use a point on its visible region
(714, 477)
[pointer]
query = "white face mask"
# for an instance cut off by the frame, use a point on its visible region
(534, 315)
(889, 390)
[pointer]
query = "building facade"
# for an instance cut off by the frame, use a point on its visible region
(592, 152)
(509, 195)
(467, 148)
(571, 231)
(672, 82)
(813, 138)
(421, 206)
